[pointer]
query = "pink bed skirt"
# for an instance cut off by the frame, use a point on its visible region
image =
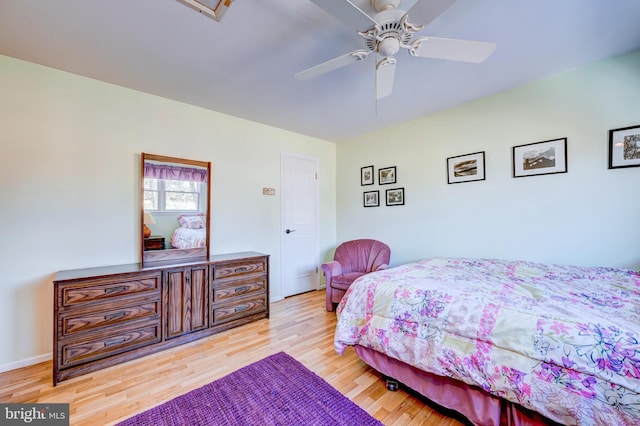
(475, 404)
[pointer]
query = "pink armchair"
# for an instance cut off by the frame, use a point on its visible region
(352, 260)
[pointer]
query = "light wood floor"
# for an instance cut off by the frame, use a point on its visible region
(299, 326)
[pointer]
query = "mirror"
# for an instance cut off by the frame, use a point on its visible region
(175, 208)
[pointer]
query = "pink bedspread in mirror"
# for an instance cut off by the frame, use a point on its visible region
(184, 238)
(560, 340)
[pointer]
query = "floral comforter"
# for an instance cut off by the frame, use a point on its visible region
(561, 340)
(184, 238)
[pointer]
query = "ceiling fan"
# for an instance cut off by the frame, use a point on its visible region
(387, 30)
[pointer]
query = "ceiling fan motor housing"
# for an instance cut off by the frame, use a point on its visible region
(389, 35)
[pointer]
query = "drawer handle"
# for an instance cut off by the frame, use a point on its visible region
(115, 316)
(242, 289)
(241, 308)
(114, 289)
(115, 341)
(242, 269)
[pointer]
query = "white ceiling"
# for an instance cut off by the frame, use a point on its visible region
(244, 65)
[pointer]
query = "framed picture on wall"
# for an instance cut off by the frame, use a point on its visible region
(395, 197)
(624, 147)
(387, 176)
(465, 168)
(366, 176)
(371, 198)
(540, 158)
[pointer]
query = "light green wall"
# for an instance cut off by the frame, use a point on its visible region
(69, 173)
(69, 185)
(588, 216)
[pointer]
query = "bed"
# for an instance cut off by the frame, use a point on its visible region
(184, 238)
(503, 342)
(192, 232)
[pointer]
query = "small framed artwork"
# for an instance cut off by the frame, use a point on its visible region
(540, 158)
(387, 176)
(465, 168)
(366, 176)
(371, 198)
(395, 197)
(624, 147)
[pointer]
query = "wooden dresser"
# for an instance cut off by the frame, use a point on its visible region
(105, 316)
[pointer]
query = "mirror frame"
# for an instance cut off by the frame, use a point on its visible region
(170, 255)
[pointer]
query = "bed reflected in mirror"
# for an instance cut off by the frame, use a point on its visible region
(175, 204)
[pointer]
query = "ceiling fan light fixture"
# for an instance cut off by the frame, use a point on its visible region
(389, 46)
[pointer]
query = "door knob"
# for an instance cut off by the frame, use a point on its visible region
(288, 231)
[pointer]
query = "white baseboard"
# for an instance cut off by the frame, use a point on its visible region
(278, 298)
(25, 362)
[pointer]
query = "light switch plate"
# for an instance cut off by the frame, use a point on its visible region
(268, 191)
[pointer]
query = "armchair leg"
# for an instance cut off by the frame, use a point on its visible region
(329, 302)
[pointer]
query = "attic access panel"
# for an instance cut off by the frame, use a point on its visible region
(214, 9)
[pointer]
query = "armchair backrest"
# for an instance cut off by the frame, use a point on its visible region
(362, 255)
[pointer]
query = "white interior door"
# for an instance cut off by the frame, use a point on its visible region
(299, 224)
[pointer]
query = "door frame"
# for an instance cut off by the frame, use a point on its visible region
(283, 225)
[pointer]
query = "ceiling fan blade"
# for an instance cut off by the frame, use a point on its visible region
(451, 49)
(425, 11)
(385, 74)
(406, 5)
(347, 12)
(332, 64)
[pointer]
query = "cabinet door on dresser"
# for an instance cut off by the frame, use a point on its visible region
(239, 290)
(185, 300)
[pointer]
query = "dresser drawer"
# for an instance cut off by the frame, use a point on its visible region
(72, 324)
(239, 269)
(240, 309)
(239, 288)
(116, 342)
(95, 291)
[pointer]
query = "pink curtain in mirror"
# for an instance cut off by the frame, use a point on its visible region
(163, 171)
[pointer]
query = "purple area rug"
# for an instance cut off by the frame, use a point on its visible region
(277, 390)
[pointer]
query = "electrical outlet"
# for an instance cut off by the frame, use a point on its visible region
(268, 191)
